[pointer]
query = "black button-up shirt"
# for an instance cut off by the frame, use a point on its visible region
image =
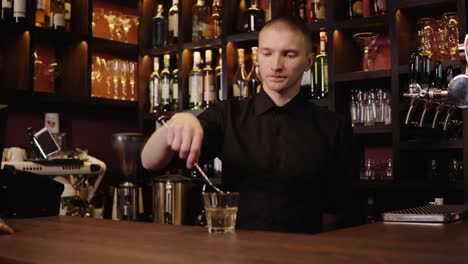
(289, 163)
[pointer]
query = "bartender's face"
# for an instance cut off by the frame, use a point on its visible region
(283, 57)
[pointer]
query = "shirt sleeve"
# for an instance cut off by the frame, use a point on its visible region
(336, 186)
(213, 123)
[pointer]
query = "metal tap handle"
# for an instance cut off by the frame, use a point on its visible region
(439, 109)
(427, 106)
(413, 104)
(450, 110)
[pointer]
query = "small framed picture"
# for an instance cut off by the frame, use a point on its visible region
(45, 143)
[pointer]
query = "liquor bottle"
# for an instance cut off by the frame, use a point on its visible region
(254, 81)
(254, 18)
(47, 13)
(306, 87)
(354, 8)
(7, 10)
(209, 90)
(68, 15)
(200, 21)
(57, 14)
(367, 8)
(240, 15)
(219, 75)
(239, 85)
(19, 11)
(298, 10)
(380, 7)
(40, 13)
(175, 88)
(319, 10)
(154, 88)
(321, 69)
(196, 84)
(165, 83)
(215, 20)
(159, 29)
(174, 22)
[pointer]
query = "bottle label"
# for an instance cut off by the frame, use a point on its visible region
(67, 11)
(209, 91)
(320, 12)
(205, 30)
(235, 90)
(19, 8)
(155, 92)
(174, 24)
(40, 5)
(6, 4)
(175, 91)
(357, 7)
(196, 89)
(165, 90)
(59, 20)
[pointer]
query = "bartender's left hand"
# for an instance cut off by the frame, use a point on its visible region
(4, 228)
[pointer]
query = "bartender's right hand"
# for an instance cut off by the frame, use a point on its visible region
(185, 136)
(5, 228)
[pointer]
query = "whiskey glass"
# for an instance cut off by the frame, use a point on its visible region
(110, 17)
(131, 71)
(366, 41)
(107, 66)
(441, 45)
(126, 22)
(451, 26)
(123, 78)
(426, 36)
(115, 77)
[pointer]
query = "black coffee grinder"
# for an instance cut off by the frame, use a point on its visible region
(128, 148)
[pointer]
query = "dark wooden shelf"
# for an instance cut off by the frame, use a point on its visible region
(456, 64)
(432, 144)
(324, 102)
(375, 129)
(250, 36)
(20, 99)
(161, 51)
(317, 26)
(362, 75)
(417, 3)
(363, 23)
(13, 27)
(407, 185)
(205, 43)
(116, 47)
(56, 36)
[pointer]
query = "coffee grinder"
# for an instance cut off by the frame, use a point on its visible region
(128, 146)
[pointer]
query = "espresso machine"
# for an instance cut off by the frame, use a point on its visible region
(128, 147)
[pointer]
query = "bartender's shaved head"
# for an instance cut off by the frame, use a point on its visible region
(294, 25)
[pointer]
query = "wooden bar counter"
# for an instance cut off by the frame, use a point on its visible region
(78, 240)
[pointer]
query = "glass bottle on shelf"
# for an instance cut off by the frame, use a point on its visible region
(196, 84)
(200, 21)
(298, 9)
(239, 85)
(215, 20)
(319, 10)
(57, 14)
(254, 18)
(254, 80)
(154, 88)
(321, 69)
(7, 10)
(354, 8)
(19, 11)
(165, 82)
(159, 28)
(219, 75)
(209, 90)
(175, 87)
(40, 13)
(174, 22)
(68, 15)
(380, 7)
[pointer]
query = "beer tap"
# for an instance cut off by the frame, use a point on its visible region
(414, 87)
(450, 110)
(437, 84)
(440, 107)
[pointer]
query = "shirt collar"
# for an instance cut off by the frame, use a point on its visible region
(263, 103)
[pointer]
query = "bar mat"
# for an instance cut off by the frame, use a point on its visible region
(428, 213)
